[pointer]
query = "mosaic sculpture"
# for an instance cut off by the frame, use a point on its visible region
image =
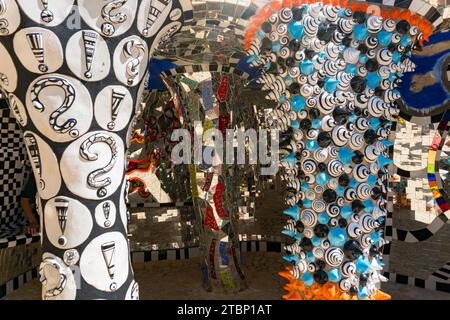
(74, 91)
(152, 174)
(212, 182)
(334, 69)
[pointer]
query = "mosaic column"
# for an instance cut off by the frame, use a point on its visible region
(333, 69)
(212, 187)
(73, 76)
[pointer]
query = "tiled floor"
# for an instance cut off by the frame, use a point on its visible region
(180, 280)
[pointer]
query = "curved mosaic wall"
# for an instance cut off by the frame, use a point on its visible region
(334, 71)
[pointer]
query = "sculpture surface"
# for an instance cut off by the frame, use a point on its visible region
(332, 67)
(75, 92)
